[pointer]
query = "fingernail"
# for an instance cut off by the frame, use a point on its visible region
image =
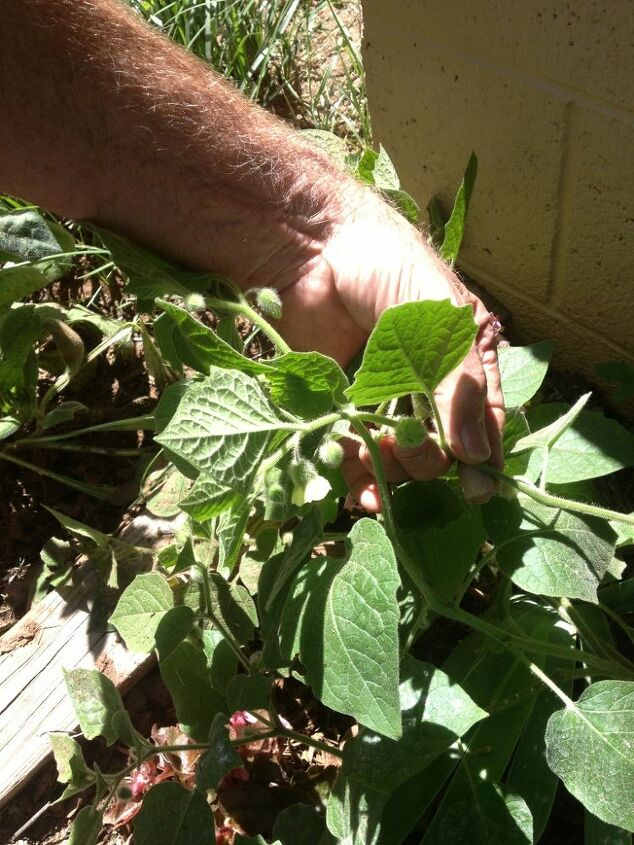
(476, 487)
(475, 442)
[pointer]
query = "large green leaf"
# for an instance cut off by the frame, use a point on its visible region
(71, 768)
(86, 827)
(26, 236)
(18, 282)
(344, 624)
(411, 350)
(173, 815)
(301, 824)
(200, 348)
(522, 371)
(305, 537)
(233, 607)
(454, 227)
(249, 692)
(589, 746)
(596, 832)
(549, 551)
(306, 383)
(494, 813)
(441, 533)
(220, 759)
(435, 712)
(149, 276)
(97, 704)
(221, 427)
(185, 674)
(502, 684)
(547, 437)
(142, 606)
(593, 445)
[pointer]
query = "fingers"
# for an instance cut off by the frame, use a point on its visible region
(426, 462)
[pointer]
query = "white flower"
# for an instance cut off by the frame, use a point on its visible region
(315, 489)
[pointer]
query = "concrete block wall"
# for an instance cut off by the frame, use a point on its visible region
(543, 91)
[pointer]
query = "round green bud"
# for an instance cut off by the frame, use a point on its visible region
(410, 433)
(331, 454)
(301, 472)
(269, 302)
(195, 302)
(276, 493)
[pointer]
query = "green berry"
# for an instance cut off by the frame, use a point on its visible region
(410, 433)
(301, 472)
(331, 454)
(269, 302)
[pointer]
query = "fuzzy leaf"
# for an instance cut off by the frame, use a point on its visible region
(548, 551)
(234, 607)
(411, 350)
(435, 712)
(522, 371)
(185, 674)
(220, 658)
(86, 827)
(593, 446)
(96, 701)
(345, 628)
(491, 813)
(589, 746)
(18, 282)
(149, 276)
(306, 383)
(454, 227)
(142, 606)
(173, 815)
(546, 437)
(200, 348)
(71, 768)
(405, 203)
(436, 525)
(248, 692)
(305, 537)
(222, 427)
(220, 759)
(301, 824)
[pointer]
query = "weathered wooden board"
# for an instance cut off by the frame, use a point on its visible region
(53, 636)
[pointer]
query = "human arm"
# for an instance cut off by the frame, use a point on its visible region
(104, 119)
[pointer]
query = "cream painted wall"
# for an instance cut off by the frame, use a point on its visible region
(543, 91)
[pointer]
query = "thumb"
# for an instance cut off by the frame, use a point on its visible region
(461, 401)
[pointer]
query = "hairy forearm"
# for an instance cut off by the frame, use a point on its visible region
(104, 118)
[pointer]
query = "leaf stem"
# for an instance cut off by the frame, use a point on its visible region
(244, 309)
(551, 501)
(438, 421)
(130, 424)
(220, 625)
(278, 730)
(103, 492)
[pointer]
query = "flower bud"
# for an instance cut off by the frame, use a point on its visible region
(331, 454)
(410, 433)
(301, 472)
(269, 302)
(195, 302)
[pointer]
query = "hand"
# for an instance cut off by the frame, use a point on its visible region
(371, 260)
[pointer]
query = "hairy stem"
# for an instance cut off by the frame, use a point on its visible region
(244, 309)
(551, 501)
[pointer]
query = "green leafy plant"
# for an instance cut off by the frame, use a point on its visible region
(260, 587)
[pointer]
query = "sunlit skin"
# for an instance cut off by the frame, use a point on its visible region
(106, 120)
